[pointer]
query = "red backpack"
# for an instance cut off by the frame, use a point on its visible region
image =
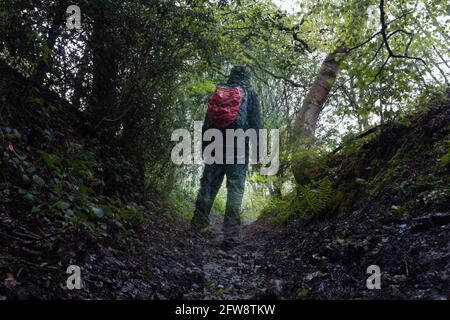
(224, 105)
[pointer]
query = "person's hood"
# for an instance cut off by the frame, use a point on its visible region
(240, 74)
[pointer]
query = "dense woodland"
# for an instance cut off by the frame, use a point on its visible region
(358, 89)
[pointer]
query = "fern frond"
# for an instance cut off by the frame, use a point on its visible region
(317, 199)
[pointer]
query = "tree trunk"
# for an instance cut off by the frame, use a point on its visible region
(102, 45)
(306, 119)
(308, 116)
(44, 63)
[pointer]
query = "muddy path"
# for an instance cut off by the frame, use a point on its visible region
(237, 273)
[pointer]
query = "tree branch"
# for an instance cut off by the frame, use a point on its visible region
(280, 77)
(364, 43)
(386, 37)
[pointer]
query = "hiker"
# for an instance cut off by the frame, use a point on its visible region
(234, 105)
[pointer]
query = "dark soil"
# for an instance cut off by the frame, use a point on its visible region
(157, 261)
(236, 273)
(329, 260)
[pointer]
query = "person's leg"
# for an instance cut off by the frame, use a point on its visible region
(210, 183)
(236, 175)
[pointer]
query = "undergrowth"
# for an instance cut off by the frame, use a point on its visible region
(64, 184)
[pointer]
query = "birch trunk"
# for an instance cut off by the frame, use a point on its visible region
(306, 119)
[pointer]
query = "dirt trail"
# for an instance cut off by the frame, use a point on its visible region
(235, 274)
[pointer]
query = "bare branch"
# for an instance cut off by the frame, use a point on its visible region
(279, 77)
(364, 43)
(386, 44)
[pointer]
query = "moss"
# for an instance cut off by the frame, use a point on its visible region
(400, 212)
(303, 293)
(400, 156)
(405, 122)
(338, 199)
(340, 242)
(382, 180)
(444, 161)
(306, 164)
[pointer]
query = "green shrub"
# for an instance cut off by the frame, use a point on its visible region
(307, 200)
(316, 198)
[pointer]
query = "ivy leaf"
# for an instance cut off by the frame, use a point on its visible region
(38, 180)
(50, 160)
(62, 205)
(69, 214)
(36, 209)
(98, 212)
(29, 197)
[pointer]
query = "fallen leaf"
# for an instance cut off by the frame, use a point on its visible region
(10, 282)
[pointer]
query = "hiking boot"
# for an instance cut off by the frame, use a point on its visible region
(231, 237)
(205, 232)
(229, 244)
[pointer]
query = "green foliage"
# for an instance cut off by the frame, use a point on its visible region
(319, 198)
(65, 184)
(306, 163)
(305, 201)
(181, 202)
(219, 204)
(444, 161)
(52, 161)
(279, 210)
(9, 134)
